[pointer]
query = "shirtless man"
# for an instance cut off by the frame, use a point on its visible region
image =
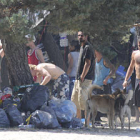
(47, 72)
(135, 63)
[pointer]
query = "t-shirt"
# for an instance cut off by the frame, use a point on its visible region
(87, 53)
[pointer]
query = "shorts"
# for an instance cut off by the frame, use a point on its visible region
(61, 87)
(137, 93)
(79, 93)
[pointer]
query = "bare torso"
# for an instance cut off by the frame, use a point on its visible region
(54, 71)
(137, 63)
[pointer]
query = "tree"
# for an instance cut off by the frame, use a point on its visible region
(106, 21)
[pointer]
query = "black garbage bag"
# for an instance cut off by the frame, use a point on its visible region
(4, 121)
(7, 102)
(10, 101)
(41, 119)
(35, 98)
(75, 123)
(54, 123)
(64, 110)
(14, 115)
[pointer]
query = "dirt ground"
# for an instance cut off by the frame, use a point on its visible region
(99, 133)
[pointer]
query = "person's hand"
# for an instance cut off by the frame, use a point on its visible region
(105, 81)
(124, 84)
(82, 78)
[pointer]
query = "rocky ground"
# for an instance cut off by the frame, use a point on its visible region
(99, 133)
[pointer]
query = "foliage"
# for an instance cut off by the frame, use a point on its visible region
(106, 21)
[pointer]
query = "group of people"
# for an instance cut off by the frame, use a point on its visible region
(86, 66)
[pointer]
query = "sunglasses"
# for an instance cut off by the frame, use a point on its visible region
(81, 35)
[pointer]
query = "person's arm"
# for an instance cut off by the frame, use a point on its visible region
(1, 53)
(85, 69)
(70, 64)
(43, 73)
(109, 65)
(40, 56)
(129, 71)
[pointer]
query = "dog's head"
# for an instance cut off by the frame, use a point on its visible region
(119, 92)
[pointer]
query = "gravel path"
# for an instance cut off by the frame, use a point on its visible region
(72, 134)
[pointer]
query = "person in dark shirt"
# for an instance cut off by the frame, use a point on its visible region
(85, 73)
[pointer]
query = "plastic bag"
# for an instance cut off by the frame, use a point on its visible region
(54, 123)
(14, 115)
(4, 121)
(120, 71)
(41, 119)
(64, 110)
(75, 123)
(35, 98)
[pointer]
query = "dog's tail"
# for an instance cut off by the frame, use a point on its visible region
(129, 97)
(91, 88)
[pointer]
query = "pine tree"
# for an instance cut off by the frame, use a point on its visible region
(106, 21)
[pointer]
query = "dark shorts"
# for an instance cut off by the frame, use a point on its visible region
(106, 90)
(61, 87)
(137, 93)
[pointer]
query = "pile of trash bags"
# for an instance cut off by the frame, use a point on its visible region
(35, 108)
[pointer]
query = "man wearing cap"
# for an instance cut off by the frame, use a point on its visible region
(35, 55)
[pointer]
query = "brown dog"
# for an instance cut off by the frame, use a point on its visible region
(102, 103)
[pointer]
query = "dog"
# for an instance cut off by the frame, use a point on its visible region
(103, 103)
(122, 108)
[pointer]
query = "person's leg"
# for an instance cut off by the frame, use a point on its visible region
(74, 98)
(83, 95)
(137, 111)
(79, 113)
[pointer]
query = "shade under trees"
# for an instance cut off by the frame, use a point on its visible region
(106, 21)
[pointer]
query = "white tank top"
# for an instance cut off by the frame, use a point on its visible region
(75, 56)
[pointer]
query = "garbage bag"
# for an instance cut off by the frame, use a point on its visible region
(10, 101)
(41, 119)
(4, 121)
(64, 110)
(54, 123)
(14, 115)
(35, 98)
(75, 123)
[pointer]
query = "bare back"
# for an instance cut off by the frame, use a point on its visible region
(136, 57)
(54, 71)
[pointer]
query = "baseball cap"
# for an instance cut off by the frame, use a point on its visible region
(31, 37)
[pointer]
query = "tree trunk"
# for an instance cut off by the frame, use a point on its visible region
(54, 51)
(17, 63)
